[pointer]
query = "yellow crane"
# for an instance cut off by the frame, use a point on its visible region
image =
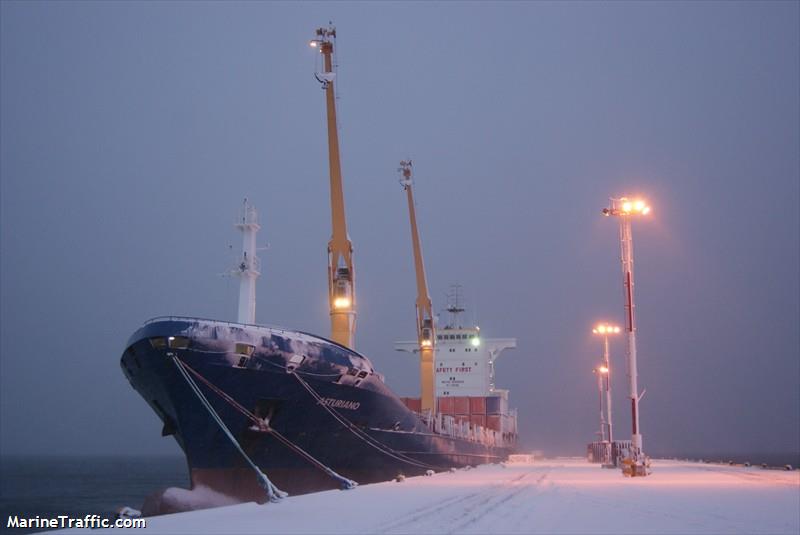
(341, 283)
(426, 333)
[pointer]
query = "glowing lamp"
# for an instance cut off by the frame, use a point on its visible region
(341, 302)
(604, 328)
(626, 207)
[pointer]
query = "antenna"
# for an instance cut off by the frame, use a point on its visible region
(454, 305)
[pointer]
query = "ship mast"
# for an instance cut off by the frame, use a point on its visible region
(341, 283)
(426, 334)
(249, 267)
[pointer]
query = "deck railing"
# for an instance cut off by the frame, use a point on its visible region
(447, 425)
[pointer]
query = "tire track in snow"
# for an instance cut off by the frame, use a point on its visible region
(447, 516)
(504, 499)
(433, 513)
(425, 512)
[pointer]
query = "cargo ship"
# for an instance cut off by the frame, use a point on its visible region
(326, 399)
(261, 411)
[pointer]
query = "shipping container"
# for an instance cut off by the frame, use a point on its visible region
(493, 421)
(446, 405)
(413, 404)
(478, 419)
(496, 405)
(461, 405)
(477, 405)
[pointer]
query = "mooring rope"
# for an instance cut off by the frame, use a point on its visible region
(274, 494)
(361, 434)
(344, 482)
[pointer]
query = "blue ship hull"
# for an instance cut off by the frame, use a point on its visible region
(258, 367)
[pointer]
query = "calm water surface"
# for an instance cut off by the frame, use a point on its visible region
(77, 486)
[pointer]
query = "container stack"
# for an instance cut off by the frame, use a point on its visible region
(461, 408)
(412, 404)
(490, 412)
(497, 413)
(477, 411)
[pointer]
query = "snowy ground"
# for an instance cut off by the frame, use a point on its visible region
(548, 496)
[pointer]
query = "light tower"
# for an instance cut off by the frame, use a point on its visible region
(626, 209)
(600, 371)
(604, 330)
(341, 276)
(249, 267)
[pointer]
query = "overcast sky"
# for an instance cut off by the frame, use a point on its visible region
(131, 132)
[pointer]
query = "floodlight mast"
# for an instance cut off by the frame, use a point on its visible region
(625, 209)
(605, 330)
(603, 424)
(607, 364)
(341, 276)
(426, 333)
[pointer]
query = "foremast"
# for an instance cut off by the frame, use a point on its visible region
(426, 335)
(341, 282)
(249, 267)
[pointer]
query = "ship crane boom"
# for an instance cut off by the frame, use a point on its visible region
(426, 332)
(341, 278)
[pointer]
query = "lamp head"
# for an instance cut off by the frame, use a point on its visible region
(624, 206)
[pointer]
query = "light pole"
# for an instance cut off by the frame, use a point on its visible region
(626, 209)
(600, 371)
(605, 330)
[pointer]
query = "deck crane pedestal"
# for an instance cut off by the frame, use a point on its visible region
(341, 282)
(426, 334)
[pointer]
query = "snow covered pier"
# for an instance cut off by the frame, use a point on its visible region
(547, 496)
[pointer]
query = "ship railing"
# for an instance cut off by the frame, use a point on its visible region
(447, 425)
(260, 326)
(223, 322)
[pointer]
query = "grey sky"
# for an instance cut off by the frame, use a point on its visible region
(132, 131)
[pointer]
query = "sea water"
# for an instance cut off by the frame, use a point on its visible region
(80, 486)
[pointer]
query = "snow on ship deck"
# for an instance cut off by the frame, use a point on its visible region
(548, 496)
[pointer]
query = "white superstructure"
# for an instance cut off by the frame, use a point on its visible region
(463, 360)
